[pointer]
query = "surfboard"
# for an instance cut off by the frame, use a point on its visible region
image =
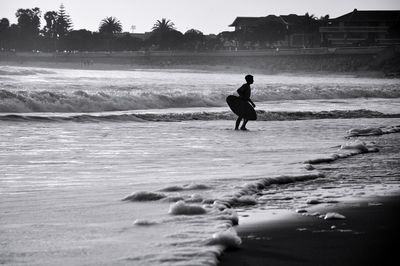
(241, 108)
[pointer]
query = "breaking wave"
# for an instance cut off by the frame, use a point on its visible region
(123, 99)
(10, 71)
(325, 91)
(82, 101)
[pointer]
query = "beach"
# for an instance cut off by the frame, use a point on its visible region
(143, 166)
(368, 236)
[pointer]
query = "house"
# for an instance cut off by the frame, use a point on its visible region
(297, 36)
(295, 33)
(249, 23)
(362, 28)
(245, 23)
(248, 26)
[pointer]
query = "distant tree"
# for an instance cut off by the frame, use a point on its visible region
(27, 30)
(310, 23)
(193, 33)
(164, 25)
(110, 26)
(224, 40)
(29, 21)
(212, 42)
(126, 42)
(193, 39)
(4, 24)
(14, 37)
(324, 18)
(63, 22)
(49, 30)
(172, 40)
(80, 40)
(4, 30)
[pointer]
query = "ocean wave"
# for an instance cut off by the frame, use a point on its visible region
(124, 99)
(200, 116)
(11, 71)
(81, 101)
(308, 92)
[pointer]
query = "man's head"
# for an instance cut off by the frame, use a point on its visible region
(249, 79)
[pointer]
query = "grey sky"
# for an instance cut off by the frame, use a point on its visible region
(209, 16)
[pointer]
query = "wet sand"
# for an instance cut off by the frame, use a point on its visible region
(368, 236)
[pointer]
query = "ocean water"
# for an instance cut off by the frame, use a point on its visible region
(143, 167)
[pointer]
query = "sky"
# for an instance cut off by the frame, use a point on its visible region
(208, 16)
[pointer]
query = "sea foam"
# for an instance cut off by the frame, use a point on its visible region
(228, 215)
(182, 208)
(246, 195)
(141, 222)
(355, 145)
(348, 149)
(364, 132)
(373, 131)
(144, 196)
(175, 188)
(334, 216)
(227, 238)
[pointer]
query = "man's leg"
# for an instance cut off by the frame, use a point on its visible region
(244, 124)
(238, 123)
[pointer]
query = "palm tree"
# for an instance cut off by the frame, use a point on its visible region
(110, 25)
(163, 25)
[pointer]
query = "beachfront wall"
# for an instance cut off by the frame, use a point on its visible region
(362, 28)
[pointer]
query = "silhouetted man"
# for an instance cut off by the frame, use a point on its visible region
(244, 93)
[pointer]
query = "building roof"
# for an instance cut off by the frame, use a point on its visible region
(293, 19)
(255, 21)
(370, 16)
(247, 21)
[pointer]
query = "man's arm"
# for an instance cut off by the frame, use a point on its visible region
(251, 102)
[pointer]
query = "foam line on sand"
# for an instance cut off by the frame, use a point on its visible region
(367, 236)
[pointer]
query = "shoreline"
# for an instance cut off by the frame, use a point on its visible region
(367, 236)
